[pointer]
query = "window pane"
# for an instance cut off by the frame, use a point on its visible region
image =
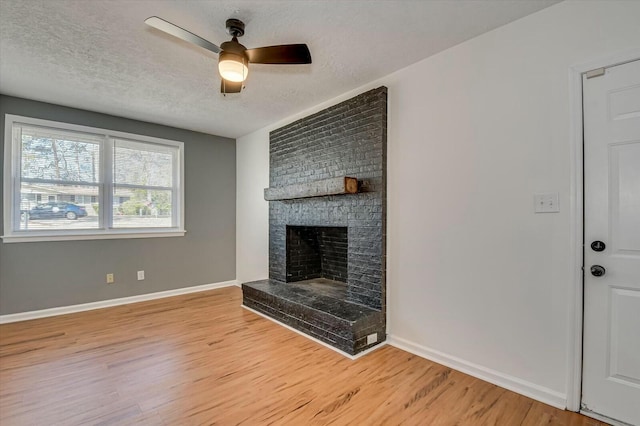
(141, 208)
(50, 154)
(143, 164)
(49, 207)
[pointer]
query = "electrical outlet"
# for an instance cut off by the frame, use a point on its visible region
(546, 203)
(109, 278)
(372, 338)
(140, 275)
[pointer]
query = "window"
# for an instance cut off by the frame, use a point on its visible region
(65, 181)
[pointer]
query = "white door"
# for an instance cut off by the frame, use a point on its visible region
(611, 348)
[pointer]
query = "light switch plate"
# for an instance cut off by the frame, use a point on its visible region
(546, 202)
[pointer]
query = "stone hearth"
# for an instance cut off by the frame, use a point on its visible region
(326, 239)
(317, 307)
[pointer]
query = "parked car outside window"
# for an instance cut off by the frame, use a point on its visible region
(57, 210)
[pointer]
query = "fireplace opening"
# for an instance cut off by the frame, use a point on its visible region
(316, 252)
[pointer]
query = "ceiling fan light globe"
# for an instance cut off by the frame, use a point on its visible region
(233, 67)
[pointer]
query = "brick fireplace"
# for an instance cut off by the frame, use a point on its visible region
(327, 234)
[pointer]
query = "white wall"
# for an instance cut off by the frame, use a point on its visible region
(475, 278)
(252, 211)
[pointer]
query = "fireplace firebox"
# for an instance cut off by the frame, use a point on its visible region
(316, 252)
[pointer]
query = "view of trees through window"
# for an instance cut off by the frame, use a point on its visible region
(142, 176)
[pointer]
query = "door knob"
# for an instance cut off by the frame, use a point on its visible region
(597, 271)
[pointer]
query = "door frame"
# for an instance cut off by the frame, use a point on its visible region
(575, 310)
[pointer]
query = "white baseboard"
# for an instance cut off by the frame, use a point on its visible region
(523, 387)
(351, 357)
(23, 316)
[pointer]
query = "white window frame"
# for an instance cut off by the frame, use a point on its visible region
(12, 178)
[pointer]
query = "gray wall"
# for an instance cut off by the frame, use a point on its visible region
(49, 274)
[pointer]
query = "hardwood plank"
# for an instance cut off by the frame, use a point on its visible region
(202, 359)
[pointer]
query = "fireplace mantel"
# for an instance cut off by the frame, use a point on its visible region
(317, 188)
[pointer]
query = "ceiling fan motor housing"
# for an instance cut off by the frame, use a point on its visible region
(233, 47)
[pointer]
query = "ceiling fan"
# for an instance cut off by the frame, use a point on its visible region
(234, 59)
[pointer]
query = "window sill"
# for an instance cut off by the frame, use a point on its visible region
(112, 235)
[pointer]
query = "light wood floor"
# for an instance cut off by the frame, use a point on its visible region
(202, 359)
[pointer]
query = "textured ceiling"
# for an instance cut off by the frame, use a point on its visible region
(98, 55)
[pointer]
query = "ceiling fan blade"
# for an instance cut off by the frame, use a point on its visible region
(181, 33)
(230, 86)
(283, 54)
